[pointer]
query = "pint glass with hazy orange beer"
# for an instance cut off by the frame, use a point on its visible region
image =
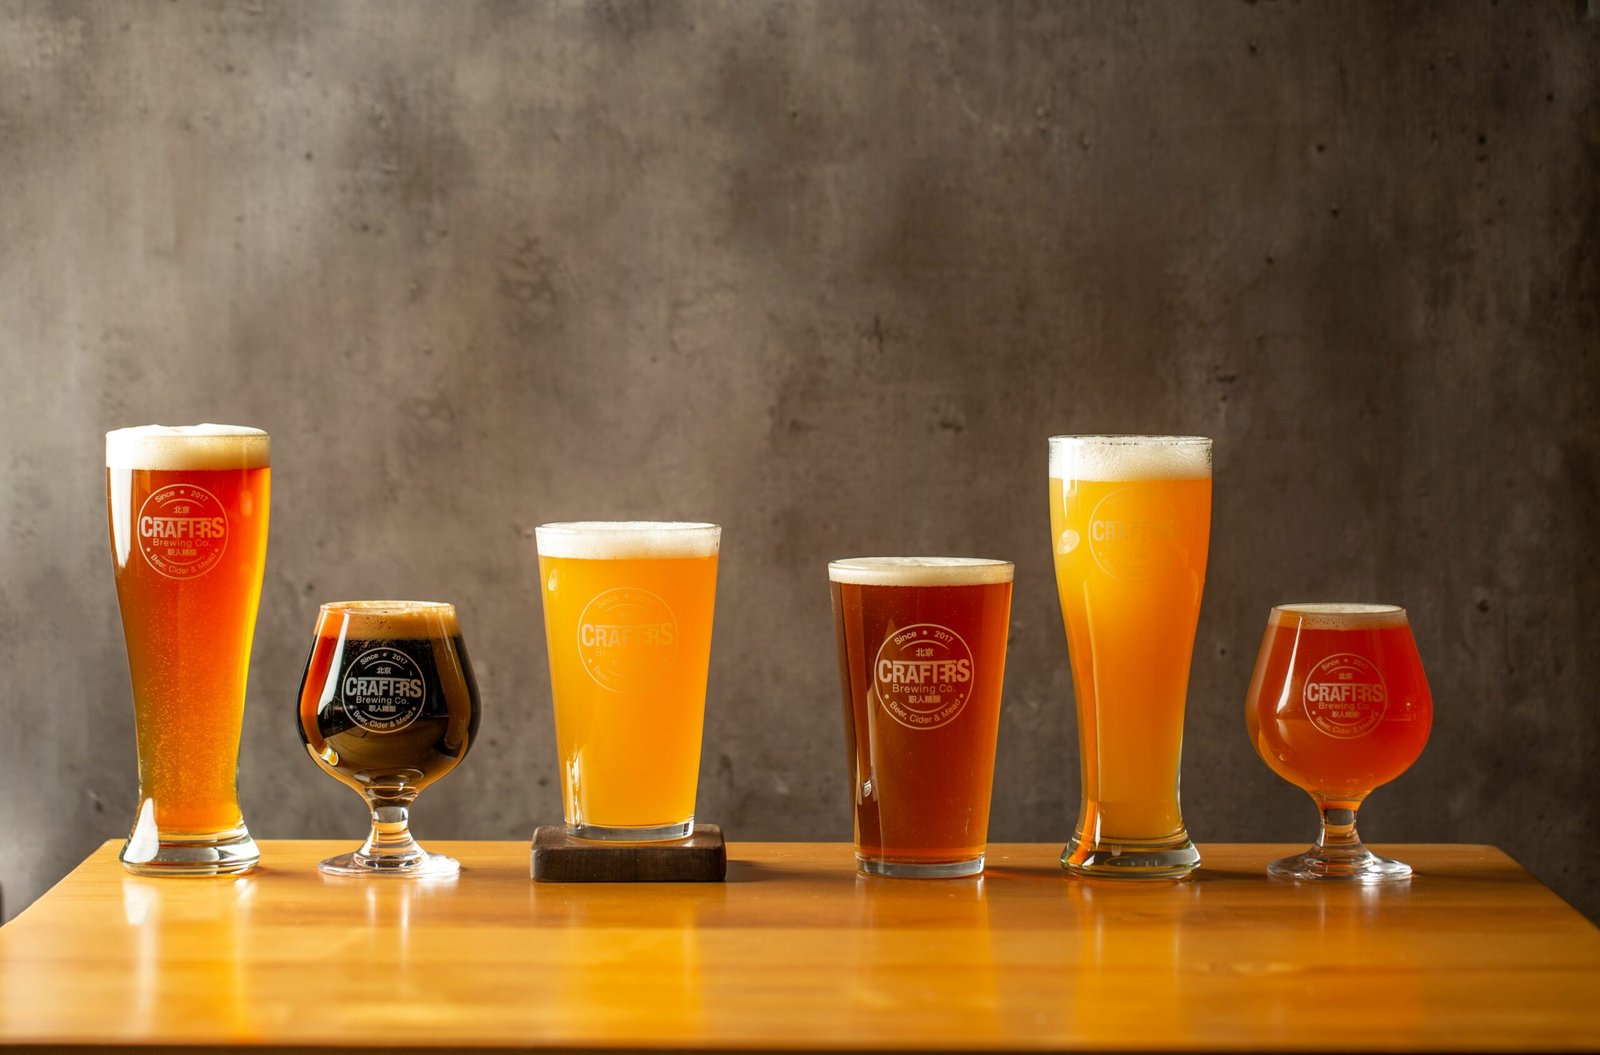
(1130, 522)
(188, 519)
(922, 654)
(627, 618)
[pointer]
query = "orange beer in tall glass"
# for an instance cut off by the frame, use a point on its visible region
(1130, 523)
(188, 520)
(627, 619)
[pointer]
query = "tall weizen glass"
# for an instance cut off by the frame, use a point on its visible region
(1130, 522)
(627, 619)
(188, 516)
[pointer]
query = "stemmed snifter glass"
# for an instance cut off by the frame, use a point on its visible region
(388, 705)
(1339, 705)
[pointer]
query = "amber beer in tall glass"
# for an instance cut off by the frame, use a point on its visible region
(922, 653)
(1130, 521)
(188, 518)
(627, 620)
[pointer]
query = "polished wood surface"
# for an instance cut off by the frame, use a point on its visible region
(795, 951)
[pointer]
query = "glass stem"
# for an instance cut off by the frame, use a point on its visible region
(1338, 837)
(391, 829)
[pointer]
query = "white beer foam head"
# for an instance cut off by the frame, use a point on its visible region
(1112, 458)
(394, 620)
(627, 539)
(920, 571)
(1339, 616)
(188, 447)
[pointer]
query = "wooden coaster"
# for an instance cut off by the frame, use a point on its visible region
(559, 858)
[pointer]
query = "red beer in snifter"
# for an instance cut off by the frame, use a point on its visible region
(1339, 704)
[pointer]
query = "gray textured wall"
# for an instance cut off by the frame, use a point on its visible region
(829, 274)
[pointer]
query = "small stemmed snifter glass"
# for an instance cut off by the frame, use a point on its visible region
(388, 705)
(1339, 705)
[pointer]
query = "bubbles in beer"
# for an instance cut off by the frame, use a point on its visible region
(201, 447)
(397, 620)
(1339, 616)
(1111, 458)
(920, 571)
(627, 539)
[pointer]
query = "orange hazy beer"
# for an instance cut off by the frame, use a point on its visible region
(1130, 521)
(188, 518)
(922, 654)
(627, 619)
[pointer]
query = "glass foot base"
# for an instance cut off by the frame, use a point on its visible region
(226, 853)
(1168, 859)
(1360, 867)
(903, 870)
(419, 865)
(662, 834)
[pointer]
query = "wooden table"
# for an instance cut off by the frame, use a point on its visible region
(796, 952)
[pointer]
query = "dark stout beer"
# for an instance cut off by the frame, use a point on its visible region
(388, 702)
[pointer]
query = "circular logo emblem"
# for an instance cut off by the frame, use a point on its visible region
(383, 690)
(1133, 534)
(626, 637)
(1345, 696)
(923, 675)
(183, 531)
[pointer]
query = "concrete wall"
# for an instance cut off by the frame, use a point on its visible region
(828, 274)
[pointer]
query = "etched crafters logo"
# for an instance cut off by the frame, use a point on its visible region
(1133, 534)
(1345, 696)
(383, 690)
(923, 675)
(183, 531)
(626, 637)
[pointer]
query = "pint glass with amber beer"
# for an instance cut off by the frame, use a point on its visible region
(1338, 705)
(627, 620)
(922, 654)
(1130, 522)
(188, 518)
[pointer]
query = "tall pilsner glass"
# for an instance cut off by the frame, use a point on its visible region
(188, 514)
(1130, 521)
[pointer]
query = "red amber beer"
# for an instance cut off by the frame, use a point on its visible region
(922, 653)
(1130, 521)
(188, 518)
(1339, 705)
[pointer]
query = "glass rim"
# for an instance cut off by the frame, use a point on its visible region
(1132, 439)
(1112, 458)
(595, 527)
(921, 571)
(386, 607)
(1337, 615)
(189, 448)
(627, 539)
(1337, 608)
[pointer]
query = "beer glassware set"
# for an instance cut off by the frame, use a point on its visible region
(388, 704)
